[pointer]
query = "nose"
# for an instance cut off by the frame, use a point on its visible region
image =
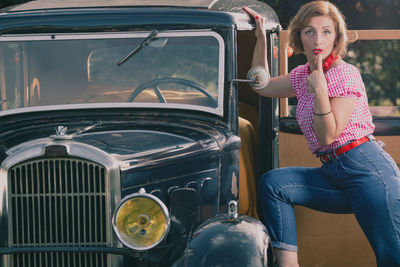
(318, 38)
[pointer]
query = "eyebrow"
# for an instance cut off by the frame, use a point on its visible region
(309, 26)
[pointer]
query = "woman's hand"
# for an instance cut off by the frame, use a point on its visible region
(316, 80)
(278, 86)
(259, 21)
(334, 112)
(260, 49)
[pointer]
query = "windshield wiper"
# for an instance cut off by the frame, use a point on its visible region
(142, 44)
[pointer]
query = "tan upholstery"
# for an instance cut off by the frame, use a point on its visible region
(248, 132)
(247, 170)
(102, 94)
(174, 96)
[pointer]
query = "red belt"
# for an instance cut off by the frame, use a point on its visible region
(343, 149)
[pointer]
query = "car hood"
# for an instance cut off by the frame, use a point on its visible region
(130, 144)
(133, 148)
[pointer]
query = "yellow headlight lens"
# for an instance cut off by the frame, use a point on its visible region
(141, 221)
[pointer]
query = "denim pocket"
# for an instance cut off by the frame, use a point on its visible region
(391, 162)
(355, 162)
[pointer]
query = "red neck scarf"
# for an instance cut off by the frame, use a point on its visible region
(327, 64)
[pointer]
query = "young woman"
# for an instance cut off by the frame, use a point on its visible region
(357, 175)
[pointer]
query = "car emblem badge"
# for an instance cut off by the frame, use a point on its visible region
(61, 133)
(61, 130)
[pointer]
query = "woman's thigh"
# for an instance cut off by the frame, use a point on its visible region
(371, 180)
(304, 186)
(368, 176)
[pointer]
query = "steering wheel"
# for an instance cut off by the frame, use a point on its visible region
(154, 84)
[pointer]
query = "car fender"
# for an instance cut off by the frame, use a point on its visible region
(227, 241)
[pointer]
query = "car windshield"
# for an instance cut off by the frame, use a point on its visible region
(178, 69)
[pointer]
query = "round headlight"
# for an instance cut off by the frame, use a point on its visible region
(141, 221)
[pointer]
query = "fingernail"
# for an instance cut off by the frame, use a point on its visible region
(256, 17)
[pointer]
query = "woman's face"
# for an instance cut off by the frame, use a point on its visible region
(318, 36)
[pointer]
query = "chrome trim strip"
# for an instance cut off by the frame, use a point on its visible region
(74, 149)
(3, 207)
(119, 35)
(218, 111)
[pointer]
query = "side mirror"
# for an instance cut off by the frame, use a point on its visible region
(257, 77)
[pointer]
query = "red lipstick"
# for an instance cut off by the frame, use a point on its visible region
(317, 51)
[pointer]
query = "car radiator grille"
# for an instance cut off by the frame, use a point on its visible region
(58, 202)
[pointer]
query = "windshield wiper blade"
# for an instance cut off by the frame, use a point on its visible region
(142, 44)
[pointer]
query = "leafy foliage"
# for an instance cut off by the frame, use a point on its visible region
(379, 69)
(360, 14)
(376, 60)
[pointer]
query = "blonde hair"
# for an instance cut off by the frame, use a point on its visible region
(313, 9)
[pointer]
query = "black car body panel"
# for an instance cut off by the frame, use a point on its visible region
(77, 144)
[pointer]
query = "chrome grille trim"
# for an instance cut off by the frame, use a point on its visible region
(59, 259)
(41, 186)
(43, 195)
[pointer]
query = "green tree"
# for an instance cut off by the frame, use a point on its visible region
(360, 14)
(379, 69)
(376, 60)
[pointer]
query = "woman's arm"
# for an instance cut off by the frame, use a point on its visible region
(328, 127)
(331, 115)
(278, 87)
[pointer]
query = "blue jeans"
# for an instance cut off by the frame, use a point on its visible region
(364, 181)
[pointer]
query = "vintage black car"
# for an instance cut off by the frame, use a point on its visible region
(119, 141)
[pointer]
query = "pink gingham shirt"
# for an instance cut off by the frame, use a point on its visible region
(344, 80)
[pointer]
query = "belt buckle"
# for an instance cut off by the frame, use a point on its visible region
(328, 155)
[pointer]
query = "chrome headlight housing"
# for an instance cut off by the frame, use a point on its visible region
(141, 221)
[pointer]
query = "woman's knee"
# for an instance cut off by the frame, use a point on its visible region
(270, 181)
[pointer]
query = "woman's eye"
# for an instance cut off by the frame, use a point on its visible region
(327, 32)
(309, 32)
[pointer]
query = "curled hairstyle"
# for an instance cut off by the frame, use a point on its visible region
(313, 9)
